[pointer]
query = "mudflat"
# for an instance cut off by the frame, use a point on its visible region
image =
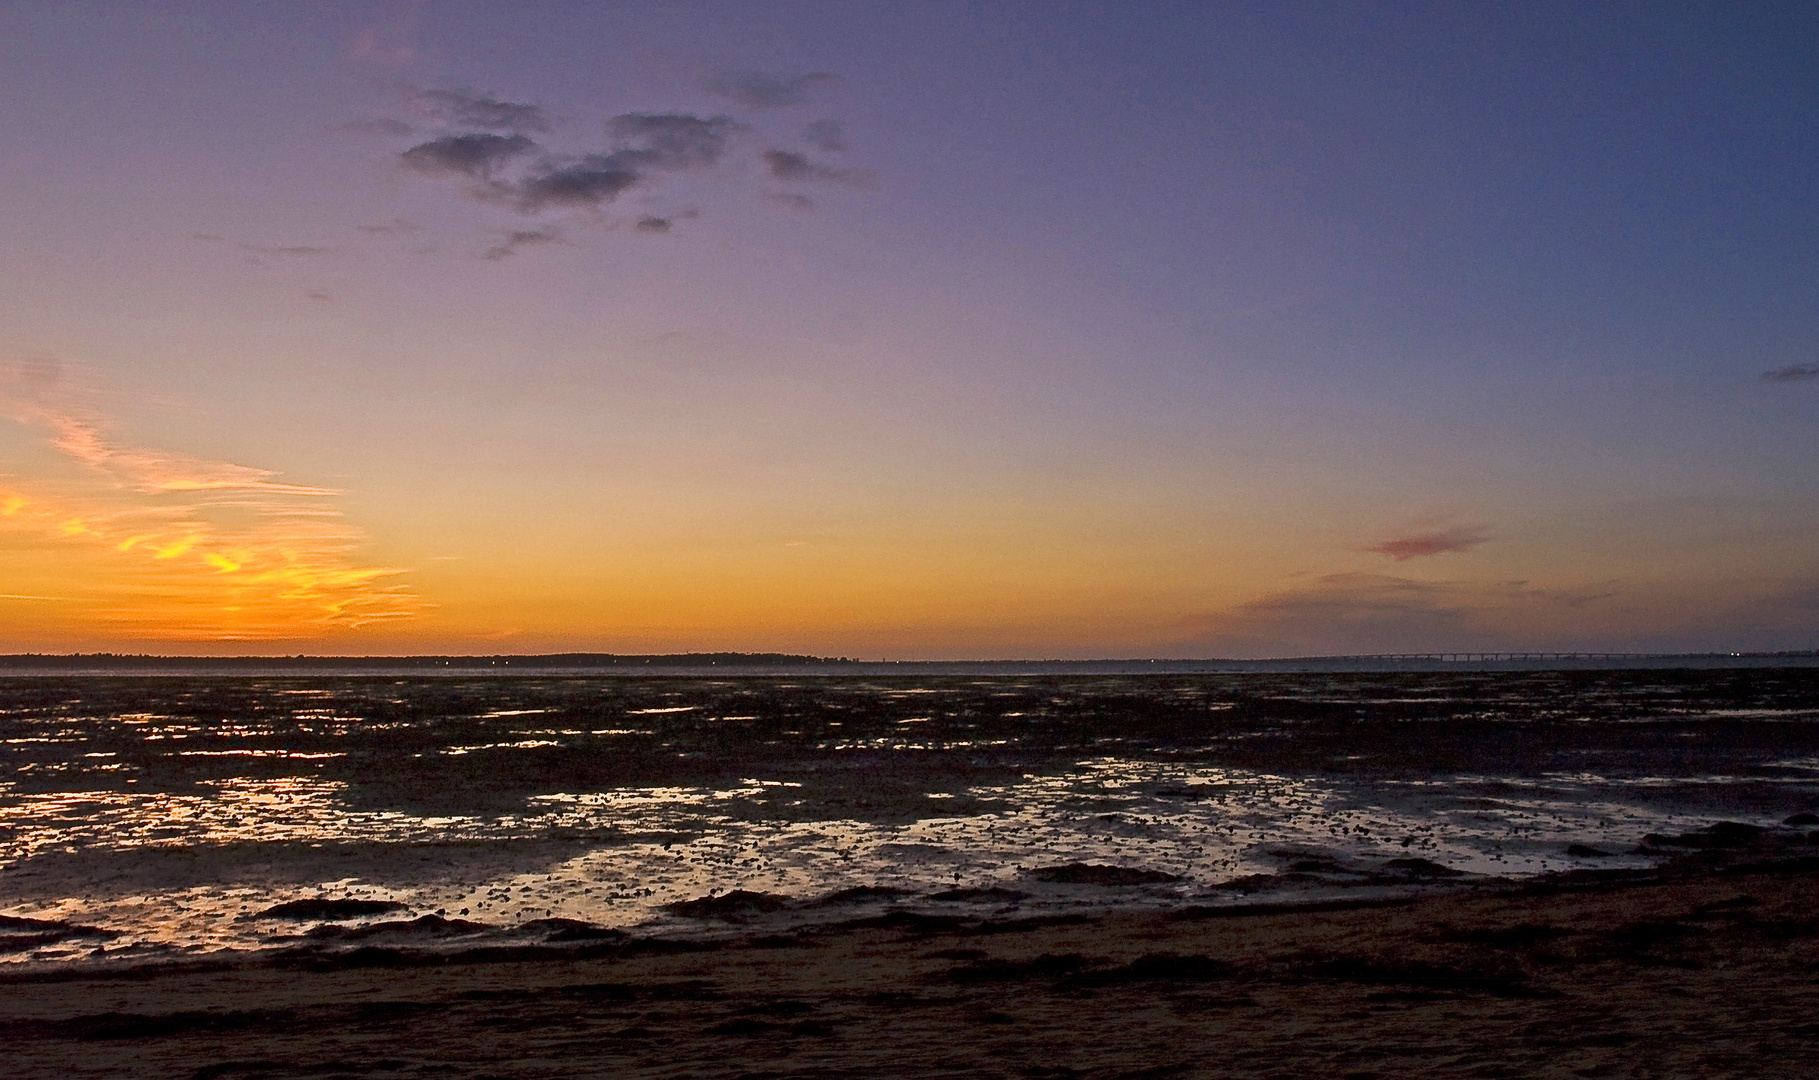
(1707, 973)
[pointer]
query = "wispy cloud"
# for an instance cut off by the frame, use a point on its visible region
(826, 136)
(384, 125)
(168, 545)
(1379, 613)
(520, 238)
(467, 108)
(764, 90)
(792, 167)
(477, 155)
(1439, 542)
(1791, 373)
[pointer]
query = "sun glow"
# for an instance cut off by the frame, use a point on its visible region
(138, 533)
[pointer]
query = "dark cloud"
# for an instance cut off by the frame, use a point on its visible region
(646, 142)
(671, 140)
(589, 182)
(463, 108)
(519, 238)
(825, 135)
(1420, 545)
(791, 200)
(478, 154)
(791, 167)
(1791, 373)
(512, 170)
(758, 90)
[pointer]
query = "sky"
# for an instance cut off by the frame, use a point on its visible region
(908, 330)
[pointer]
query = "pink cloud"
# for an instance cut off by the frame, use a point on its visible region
(1404, 548)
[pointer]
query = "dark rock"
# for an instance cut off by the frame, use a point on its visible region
(44, 932)
(1720, 836)
(992, 895)
(1414, 867)
(569, 930)
(1580, 851)
(423, 926)
(732, 906)
(327, 909)
(1096, 874)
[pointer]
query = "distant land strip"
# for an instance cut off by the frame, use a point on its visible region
(737, 663)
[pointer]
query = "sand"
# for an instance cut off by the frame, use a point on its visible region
(1702, 973)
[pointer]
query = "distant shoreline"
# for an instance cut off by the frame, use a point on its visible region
(783, 664)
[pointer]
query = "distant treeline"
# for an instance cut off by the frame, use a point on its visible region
(553, 660)
(793, 664)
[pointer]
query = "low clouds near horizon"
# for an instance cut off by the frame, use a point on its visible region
(1437, 542)
(184, 548)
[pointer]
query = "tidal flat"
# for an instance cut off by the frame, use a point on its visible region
(1580, 873)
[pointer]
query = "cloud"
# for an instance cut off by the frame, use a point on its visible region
(671, 140)
(508, 168)
(518, 238)
(171, 546)
(825, 135)
(1791, 373)
(295, 251)
(1342, 613)
(791, 200)
(1364, 613)
(759, 90)
(477, 154)
(644, 143)
(396, 225)
(1420, 545)
(152, 472)
(467, 109)
(590, 182)
(386, 126)
(792, 167)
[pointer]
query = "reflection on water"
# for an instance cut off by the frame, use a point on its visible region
(171, 809)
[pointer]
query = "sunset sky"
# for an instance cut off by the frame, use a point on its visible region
(909, 330)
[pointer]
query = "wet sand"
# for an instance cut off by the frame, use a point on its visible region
(1680, 972)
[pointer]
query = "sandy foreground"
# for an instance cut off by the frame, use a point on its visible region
(1675, 974)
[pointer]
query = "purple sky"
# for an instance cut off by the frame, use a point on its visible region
(910, 330)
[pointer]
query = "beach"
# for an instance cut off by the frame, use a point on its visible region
(1591, 874)
(1687, 972)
